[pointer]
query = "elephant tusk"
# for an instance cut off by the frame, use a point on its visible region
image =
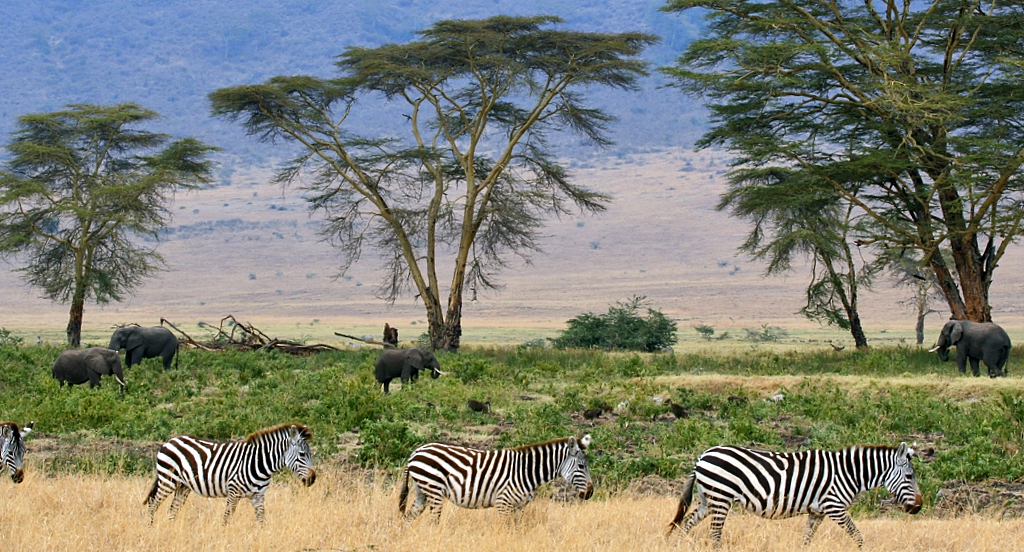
(933, 349)
(440, 373)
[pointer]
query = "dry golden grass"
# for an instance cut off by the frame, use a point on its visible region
(342, 513)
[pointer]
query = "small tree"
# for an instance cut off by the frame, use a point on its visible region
(79, 186)
(795, 215)
(474, 178)
(621, 328)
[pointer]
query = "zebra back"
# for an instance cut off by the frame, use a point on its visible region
(507, 478)
(211, 468)
(774, 484)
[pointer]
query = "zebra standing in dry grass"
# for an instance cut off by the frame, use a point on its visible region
(506, 478)
(777, 485)
(12, 448)
(237, 469)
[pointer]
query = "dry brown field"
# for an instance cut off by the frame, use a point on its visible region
(342, 512)
(252, 252)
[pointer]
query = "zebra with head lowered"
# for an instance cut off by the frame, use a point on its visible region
(779, 485)
(506, 479)
(12, 448)
(236, 469)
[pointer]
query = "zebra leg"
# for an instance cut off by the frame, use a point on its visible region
(180, 494)
(719, 512)
(812, 527)
(435, 507)
(232, 503)
(700, 513)
(257, 503)
(418, 503)
(842, 517)
(161, 491)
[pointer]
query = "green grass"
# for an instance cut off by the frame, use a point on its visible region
(535, 394)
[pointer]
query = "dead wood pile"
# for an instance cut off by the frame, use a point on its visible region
(246, 337)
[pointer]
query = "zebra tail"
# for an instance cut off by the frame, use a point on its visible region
(403, 495)
(684, 503)
(152, 492)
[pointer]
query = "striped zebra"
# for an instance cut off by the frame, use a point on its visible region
(236, 469)
(778, 485)
(506, 479)
(12, 448)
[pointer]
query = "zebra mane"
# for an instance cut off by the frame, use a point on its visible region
(304, 432)
(15, 434)
(538, 445)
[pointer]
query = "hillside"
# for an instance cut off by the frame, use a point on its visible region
(169, 56)
(251, 249)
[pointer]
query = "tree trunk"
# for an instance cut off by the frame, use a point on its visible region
(450, 332)
(970, 267)
(857, 331)
(75, 319)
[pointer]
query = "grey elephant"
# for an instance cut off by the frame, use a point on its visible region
(75, 366)
(139, 343)
(405, 364)
(975, 341)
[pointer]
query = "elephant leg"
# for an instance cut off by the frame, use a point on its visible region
(133, 357)
(995, 368)
(974, 366)
(94, 380)
(961, 363)
(385, 386)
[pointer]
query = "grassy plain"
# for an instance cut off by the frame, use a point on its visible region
(343, 511)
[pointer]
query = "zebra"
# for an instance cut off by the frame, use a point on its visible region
(778, 485)
(12, 448)
(505, 478)
(236, 469)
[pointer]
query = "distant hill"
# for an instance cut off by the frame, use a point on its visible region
(168, 56)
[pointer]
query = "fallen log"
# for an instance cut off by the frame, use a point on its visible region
(246, 337)
(370, 341)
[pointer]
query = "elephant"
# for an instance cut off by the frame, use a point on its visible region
(975, 341)
(139, 343)
(405, 364)
(75, 366)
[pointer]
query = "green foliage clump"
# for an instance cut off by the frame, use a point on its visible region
(621, 328)
(7, 339)
(386, 444)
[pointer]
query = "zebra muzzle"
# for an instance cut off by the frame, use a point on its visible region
(589, 492)
(18, 476)
(914, 507)
(310, 479)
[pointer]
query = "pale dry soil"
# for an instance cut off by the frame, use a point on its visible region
(343, 512)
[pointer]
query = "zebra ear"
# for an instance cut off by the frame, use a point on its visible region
(904, 452)
(585, 442)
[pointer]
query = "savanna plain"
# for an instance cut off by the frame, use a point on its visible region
(90, 460)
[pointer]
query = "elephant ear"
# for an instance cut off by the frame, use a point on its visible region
(134, 340)
(415, 359)
(957, 333)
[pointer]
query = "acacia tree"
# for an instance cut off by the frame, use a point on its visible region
(911, 111)
(80, 186)
(474, 176)
(794, 217)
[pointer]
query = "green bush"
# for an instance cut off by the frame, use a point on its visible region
(386, 444)
(621, 328)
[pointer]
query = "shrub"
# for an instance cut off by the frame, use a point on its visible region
(7, 339)
(386, 444)
(621, 328)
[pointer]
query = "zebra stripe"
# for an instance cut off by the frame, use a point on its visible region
(12, 448)
(236, 469)
(777, 485)
(506, 479)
